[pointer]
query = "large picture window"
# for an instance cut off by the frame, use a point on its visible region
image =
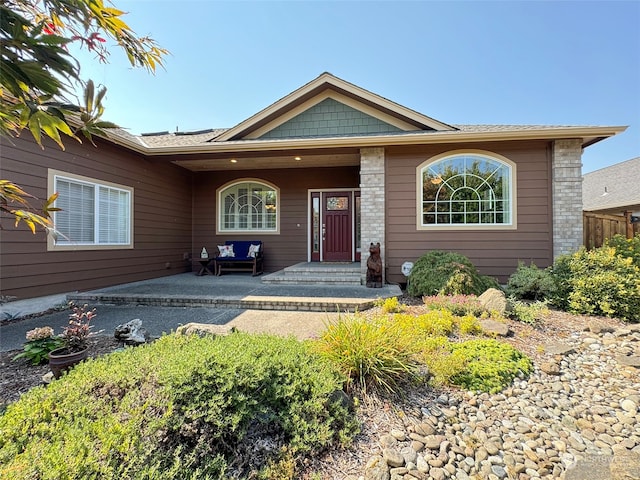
(466, 189)
(92, 213)
(248, 206)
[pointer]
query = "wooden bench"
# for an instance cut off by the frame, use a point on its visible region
(242, 259)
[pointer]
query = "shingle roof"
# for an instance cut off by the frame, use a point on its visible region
(179, 139)
(202, 137)
(613, 188)
(511, 128)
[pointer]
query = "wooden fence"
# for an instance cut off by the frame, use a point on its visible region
(599, 227)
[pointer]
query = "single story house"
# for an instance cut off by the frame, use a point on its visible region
(317, 176)
(611, 202)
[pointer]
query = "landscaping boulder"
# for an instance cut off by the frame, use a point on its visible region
(494, 300)
(204, 329)
(494, 328)
(132, 333)
(550, 368)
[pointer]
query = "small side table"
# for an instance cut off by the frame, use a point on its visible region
(204, 269)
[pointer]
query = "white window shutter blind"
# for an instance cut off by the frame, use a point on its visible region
(76, 219)
(92, 214)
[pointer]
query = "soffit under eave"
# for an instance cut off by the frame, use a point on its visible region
(318, 86)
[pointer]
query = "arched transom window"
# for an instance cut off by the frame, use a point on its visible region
(466, 189)
(248, 206)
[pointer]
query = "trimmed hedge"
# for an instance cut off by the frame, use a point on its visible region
(180, 408)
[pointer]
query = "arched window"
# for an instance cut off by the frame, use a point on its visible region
(248, 206)
(466, 189)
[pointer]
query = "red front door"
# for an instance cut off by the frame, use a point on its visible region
(337, 226)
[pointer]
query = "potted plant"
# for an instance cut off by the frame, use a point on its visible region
(40, 341)
(75, 337)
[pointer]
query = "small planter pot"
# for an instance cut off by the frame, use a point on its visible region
(60, 360)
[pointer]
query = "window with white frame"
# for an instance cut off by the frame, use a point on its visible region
(466, 189)
(248, 206)
(92, 213)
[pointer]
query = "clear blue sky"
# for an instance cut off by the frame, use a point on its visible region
(501, 62)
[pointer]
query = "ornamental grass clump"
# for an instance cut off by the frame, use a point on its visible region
(369, 352)
(40, 341)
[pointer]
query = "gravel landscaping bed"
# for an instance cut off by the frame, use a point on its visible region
(575, 417)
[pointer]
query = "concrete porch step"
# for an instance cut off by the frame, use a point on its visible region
(316, 274)
(322, 268)
(250, 302)
(275, 279)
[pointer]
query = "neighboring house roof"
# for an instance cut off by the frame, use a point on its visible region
(613, 189)
(330, 112)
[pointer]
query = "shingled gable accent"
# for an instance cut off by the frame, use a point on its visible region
(318, 90)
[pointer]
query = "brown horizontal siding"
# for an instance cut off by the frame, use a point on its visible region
(290, 245)
(161, 230)
(494, 252)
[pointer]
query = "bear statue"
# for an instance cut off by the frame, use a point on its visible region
(374, 267)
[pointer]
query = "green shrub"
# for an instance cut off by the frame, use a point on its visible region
(598, 282)
(442, 363)
(390, 305)
(182, 407)
(528, 312)
(468, 325)
(369, 352)
(626, 247)
(562, 274)
(489, 365)
(447, 273)
(531, 283)
(457, 304)
(434, 322)
(480, 365)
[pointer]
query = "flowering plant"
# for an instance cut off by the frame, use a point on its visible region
(77, 333)
(40, 341)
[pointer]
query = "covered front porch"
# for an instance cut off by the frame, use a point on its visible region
(324, 207)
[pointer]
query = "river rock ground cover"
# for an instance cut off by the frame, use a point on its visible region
(575, 417)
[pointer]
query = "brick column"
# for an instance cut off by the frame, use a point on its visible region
(566, 168)
(372, 205)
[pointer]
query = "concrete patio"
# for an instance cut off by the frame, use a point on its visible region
(165, 303)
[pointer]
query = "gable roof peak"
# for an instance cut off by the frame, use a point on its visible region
(304, 96)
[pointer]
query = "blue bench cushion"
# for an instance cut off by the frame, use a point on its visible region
(240, 250)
